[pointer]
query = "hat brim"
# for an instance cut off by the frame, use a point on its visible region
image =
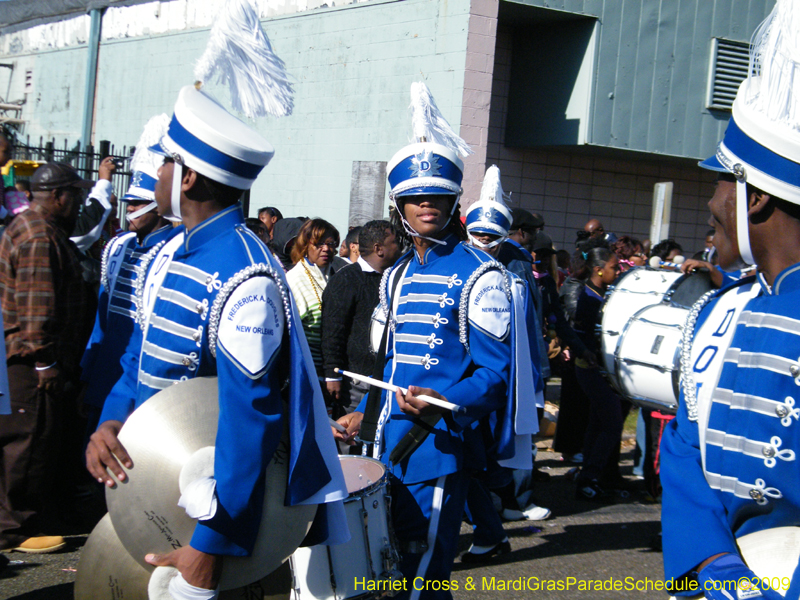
(712, 164)
(426, 191)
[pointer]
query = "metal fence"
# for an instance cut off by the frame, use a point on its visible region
(86, 160)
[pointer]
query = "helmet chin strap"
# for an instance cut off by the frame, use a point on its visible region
(175, 196)
(144, 210)
(413, 233)
(742, 222)
(476, 242)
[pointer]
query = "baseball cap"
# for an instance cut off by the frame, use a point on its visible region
(54, 175)
(522, 219)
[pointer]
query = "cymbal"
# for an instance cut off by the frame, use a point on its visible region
(172, 430)
(771, 553)
(106, 570)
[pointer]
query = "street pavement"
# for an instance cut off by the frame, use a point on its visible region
(580, 545)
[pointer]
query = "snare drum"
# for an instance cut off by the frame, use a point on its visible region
(330, 572)
(647, 357)
(639, 288)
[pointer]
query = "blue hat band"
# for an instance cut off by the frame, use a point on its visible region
(438, 167)
(199, 149)
(760, 157)
(490, 216)
(142, 187)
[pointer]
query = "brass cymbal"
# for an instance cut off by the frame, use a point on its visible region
(162, 436)
(106, 570)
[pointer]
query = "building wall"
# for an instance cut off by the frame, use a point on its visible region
(652, 67)
(569, 187)
(353, 68)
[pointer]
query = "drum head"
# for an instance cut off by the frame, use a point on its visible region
(689, 288)
(361, 473)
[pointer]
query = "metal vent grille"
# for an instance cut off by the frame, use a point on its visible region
(729, 62)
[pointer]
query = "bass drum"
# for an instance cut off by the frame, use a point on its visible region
(636, 289)
(647, 358)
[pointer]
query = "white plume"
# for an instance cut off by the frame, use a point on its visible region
(775, 57)
(240, 53)
(429, 123)
(154, 130)
(491, 188)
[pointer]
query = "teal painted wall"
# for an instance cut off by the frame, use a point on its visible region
(652, 68)
(353, 68)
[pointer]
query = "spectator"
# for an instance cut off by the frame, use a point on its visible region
(312, 255)
(595, 229)
(269, 216)
(257, 226)
(348, 251)
(524, 227)
(47, 314)
(284, 235)
(667, 250)
(347, 306)
(630, 253)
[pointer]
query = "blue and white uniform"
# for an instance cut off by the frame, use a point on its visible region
(733, 469)
(215, 302)
(451, 331)
(116, 314)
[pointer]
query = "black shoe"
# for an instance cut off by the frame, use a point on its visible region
(468, 557)
(592, 492)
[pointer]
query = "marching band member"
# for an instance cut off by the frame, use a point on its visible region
(449, 335)
(729, 458)
(215, 302)
(116, 309)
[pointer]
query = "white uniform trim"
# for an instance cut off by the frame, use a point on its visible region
(785, 411)
(768, 452)
(412, 359)
(760, 360)
(752, 491)
(450, 281)
(434, 320)
(433, 530)
(158, 383)
(441, 299)
(770, 321)
(128, 312)
(211, 282)
(430, 340)
(176, 358)
(184, 301)
(177, 329)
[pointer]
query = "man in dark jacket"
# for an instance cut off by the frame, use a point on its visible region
(347, 305)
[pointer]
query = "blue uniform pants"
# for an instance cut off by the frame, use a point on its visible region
(429, 512)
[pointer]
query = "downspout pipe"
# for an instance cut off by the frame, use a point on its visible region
(93, 46)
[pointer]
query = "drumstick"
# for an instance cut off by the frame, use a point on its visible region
(388, 386)
(336, 426)
(656, 262)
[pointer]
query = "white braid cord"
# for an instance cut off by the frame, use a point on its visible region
(141, 276)
(227, 289)
(463, 305)
(687, 379)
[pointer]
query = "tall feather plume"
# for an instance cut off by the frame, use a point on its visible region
(240, 54)
(429, 123)
(492, 190)
(775, 57)
(154, 130)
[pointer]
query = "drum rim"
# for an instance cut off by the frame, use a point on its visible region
(369, 490)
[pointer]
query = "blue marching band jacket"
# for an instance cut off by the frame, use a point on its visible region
(729, 457)
(454, 329)
(116, 312)
(215, 303)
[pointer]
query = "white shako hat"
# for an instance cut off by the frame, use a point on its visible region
(431, 164)
(490, 213)
(205, 137)
(202, 134)
(144, 165)
(762, 142)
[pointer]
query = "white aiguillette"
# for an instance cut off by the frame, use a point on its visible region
(170, 431)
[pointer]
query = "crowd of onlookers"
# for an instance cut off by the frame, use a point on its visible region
(335, 283)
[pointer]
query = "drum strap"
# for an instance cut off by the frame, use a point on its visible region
(372, 413)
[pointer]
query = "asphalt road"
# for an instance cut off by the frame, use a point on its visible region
(580, 545)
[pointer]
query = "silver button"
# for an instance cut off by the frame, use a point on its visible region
(196, 336)
(187, 362)
(199, 308)
(209, 279)
(756, 495)
(795, 371)
(768, 451)
(781, 411)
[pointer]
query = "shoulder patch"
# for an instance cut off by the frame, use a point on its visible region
(251, 325)
(488, 308)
